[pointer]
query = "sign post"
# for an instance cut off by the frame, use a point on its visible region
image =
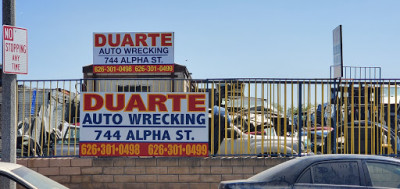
(337, 72)
(8, 106)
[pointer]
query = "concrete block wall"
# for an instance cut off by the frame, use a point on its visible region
(173, 173)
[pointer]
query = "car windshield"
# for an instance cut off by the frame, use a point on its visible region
(70, 136)
(270, 131)
(36, 179)
(72, 133)
(243, 103)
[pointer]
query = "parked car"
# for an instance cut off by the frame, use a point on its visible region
(326, 171)
(317, 125)
(376, 141)
(268, 143)
(27, 177)
(229, 139)
(315, 137)
(68, 143)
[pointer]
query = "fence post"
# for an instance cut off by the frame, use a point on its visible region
(334, 116)
(300, 117)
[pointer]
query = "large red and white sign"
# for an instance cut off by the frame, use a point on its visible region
(15, 50)
(133, 48)
(144, 124)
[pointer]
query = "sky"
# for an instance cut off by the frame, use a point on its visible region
(218, 39)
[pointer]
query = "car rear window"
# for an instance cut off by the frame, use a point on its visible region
(384, 174)
(338, 173)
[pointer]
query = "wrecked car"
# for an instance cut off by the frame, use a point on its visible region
(230, 138)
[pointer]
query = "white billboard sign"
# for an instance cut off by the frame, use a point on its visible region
(144, 124)
(133, 48)
(15, 50)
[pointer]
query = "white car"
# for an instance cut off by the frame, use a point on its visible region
(258, 143)
(236, 141)
(68, 143)
(27, 177)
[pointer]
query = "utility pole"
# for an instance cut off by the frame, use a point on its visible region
(8, 107)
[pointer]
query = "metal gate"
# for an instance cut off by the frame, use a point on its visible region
(248, 117)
